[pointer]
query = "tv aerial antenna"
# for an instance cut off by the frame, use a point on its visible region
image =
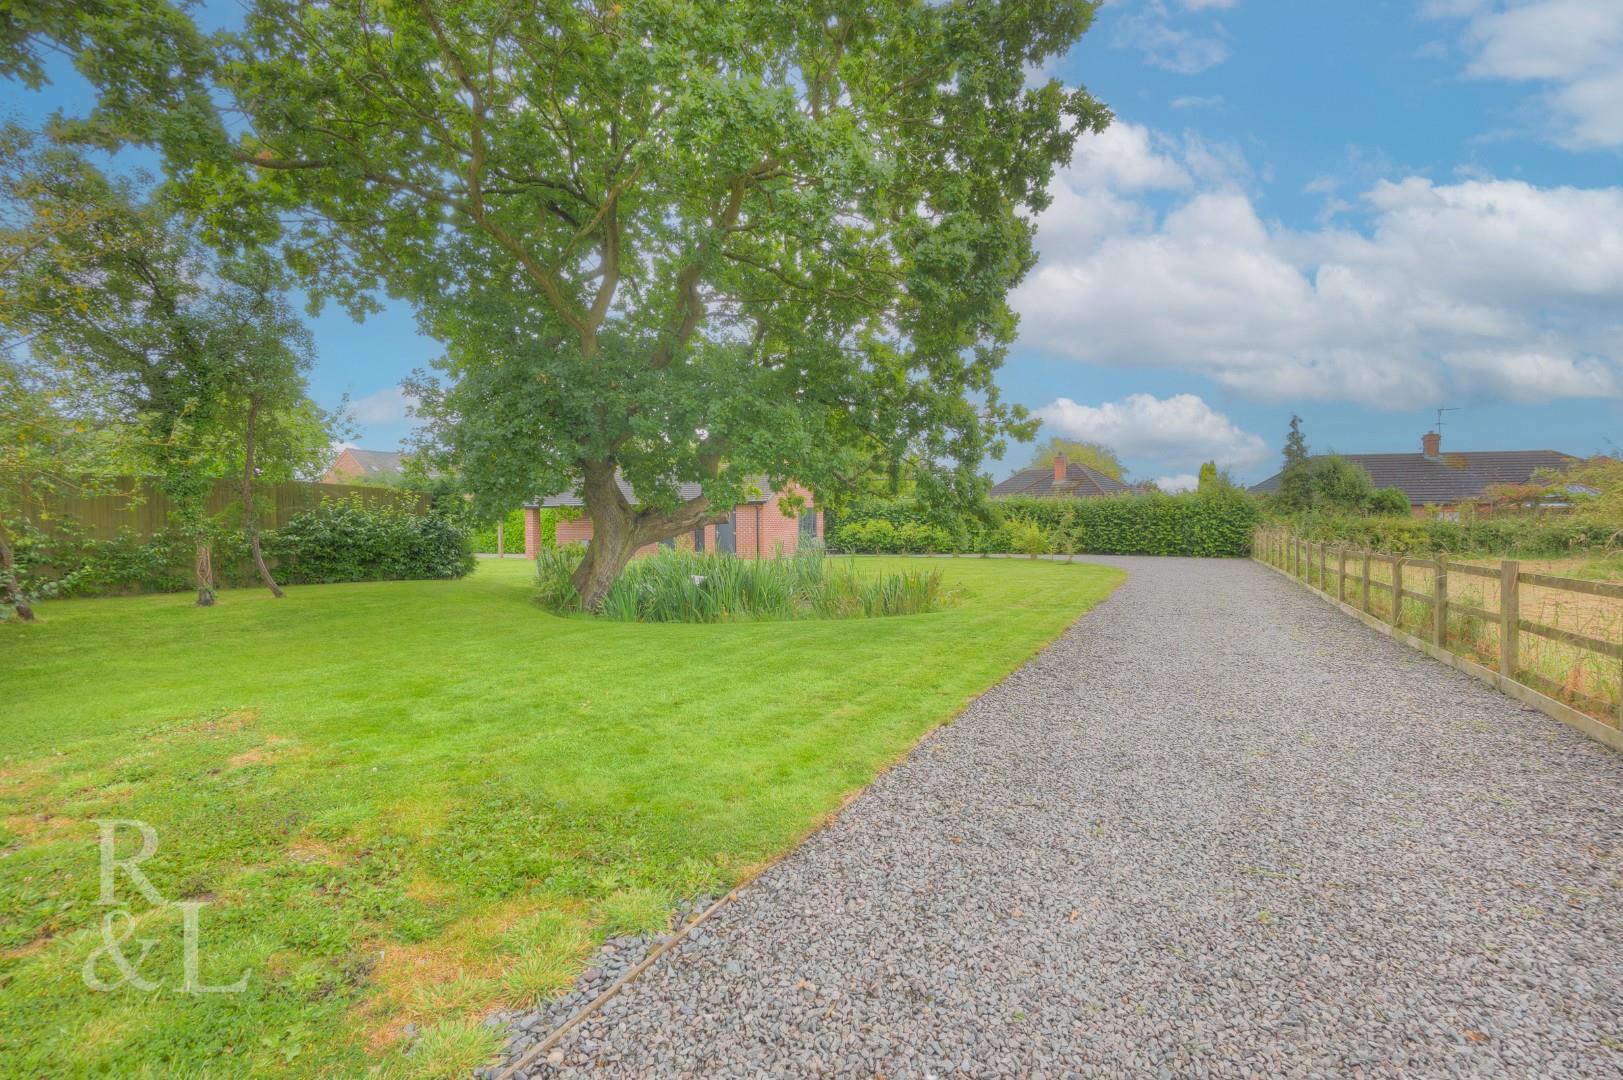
(1440, 412)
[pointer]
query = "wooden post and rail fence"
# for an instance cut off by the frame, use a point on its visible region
(1329, 569)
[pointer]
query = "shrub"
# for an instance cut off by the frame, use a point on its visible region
(346, 540)
(1027, 537)
(675, 585)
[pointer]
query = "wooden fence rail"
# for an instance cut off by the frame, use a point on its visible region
(1328, 570)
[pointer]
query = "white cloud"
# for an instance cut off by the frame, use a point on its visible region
(1572, 47)
(1447, 287)
(1195, 101)
(1531, 377)
(1150, 27)
(390, 405)
(1179, 430)
(1174, 484)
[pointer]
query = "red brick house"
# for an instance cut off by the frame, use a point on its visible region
(357, 466)
(757, 528)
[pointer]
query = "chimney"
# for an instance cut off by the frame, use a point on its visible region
(1431, 444)
(1059, 468)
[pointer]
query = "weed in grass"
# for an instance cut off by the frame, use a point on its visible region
(634, 911)
(449, 1050)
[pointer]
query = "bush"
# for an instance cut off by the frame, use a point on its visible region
(1027, 537)
(675, 585)
(1215, 523)
(346, 540)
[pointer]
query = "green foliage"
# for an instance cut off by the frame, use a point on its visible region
(706, 587)
(877, 536)
(1542, 535)
(484, 537)
(1027, 537)
(1387, 501)
(347, 540)
(1218, 523)
(340, 540)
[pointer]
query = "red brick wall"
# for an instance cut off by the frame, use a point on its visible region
(532, 531)
(763, 530)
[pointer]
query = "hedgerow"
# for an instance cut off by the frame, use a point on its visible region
(1201, 524)
(1530, 535)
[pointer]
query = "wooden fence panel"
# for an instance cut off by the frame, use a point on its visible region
(144, 511)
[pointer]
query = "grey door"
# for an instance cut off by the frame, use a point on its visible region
(727, 535)
(698, 538)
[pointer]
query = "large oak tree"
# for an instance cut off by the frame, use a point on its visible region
(665, 240)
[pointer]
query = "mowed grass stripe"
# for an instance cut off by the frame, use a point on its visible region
(411, 802)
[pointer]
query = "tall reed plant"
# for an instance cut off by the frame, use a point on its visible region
(707, 587)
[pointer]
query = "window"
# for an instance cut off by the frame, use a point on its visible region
(698, 538)
(808, 524)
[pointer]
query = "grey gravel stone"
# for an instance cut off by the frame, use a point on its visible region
(1218, 829)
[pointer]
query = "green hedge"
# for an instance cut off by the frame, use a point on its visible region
(484, 537)
(1215, 524)
(1546, 536)
(336, 541)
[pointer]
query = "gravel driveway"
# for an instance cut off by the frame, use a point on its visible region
(1217, 829)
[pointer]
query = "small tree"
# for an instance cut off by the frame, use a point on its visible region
(1295, 483)
(204, 356)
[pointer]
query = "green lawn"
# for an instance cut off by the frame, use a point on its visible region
(412, 802)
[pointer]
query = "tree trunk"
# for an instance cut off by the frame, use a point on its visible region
(10, 588)
(613, 540)
(204, 569)
(249, 524)
(619, 529)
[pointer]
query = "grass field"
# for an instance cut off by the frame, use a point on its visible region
(409, 803)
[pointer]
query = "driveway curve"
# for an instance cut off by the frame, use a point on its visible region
(1216, 829)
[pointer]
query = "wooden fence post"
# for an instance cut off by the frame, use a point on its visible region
(1324, 559)
(1366, 581)
(1397, 590)
(1341, 575)
(1509, 616)
(1439, 605)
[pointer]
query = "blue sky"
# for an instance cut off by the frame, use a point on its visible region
(1358, 212)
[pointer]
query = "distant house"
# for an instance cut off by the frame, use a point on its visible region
(755, 529)
(1066, 480)
(356, 466)
(1446, 481)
